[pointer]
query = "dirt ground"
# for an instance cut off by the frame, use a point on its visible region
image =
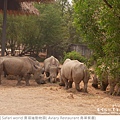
(51, 99)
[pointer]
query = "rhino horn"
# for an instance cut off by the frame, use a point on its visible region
(47, 79)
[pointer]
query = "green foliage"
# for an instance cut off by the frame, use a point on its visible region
(98, 23)
(53, 32)
(73, 55)
(34, 32)
(53, 28)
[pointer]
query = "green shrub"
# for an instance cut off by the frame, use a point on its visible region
(73, 55)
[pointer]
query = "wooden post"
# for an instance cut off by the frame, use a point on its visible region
(4, 27)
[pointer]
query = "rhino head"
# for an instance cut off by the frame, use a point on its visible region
(53, 73)
(39, 74)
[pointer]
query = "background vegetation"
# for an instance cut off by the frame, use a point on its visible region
(52, 30)
(73, 55)
(94, 22)
(98, 22)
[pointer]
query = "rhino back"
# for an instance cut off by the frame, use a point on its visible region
(46, 65)
(78, 72)
(50, 61)
(66, 70)
(73, 69)
(16, 66)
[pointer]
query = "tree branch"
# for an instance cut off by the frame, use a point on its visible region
(110, 6)
(106, 2)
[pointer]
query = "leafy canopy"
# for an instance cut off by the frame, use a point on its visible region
(98, 22)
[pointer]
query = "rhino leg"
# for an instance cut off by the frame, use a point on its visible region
(85, 87)
(77, 86)
(27, 77)
(0, 75)
(95, 82)
(27, 82)
(104, 86)
(118, 91)
(111, 90)
(1, 69)
(19, 80)
(112, 84)
(5, 74)
(70, 84)
(66, 83)
(62, 83)
(0, 79)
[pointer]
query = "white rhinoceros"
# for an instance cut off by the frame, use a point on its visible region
(74, 71)
(51, 68)
(22, 67)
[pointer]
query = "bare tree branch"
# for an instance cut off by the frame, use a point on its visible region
(110, 6)
(106, 2)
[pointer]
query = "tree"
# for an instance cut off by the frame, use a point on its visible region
(98, 22)
(34, 32)
(68, 17)
(51, 30)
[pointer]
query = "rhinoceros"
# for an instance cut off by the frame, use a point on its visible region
(103, 81)
(118, 88)
(21, 67)
(74, 71)
(107, 79)
(51, 68)
(95, 81)
(114, 82)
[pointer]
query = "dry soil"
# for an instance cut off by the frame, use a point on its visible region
(51, 99)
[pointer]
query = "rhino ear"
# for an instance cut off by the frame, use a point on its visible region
(36, 67)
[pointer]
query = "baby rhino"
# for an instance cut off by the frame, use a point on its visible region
(74, 71)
